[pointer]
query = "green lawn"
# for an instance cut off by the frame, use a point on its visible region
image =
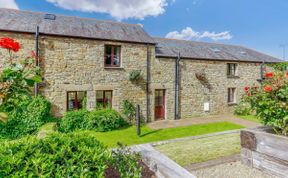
(252, 118)
(128, 135)
(200, 150)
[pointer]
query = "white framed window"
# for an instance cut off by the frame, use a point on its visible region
(231, 95)
(232, 69)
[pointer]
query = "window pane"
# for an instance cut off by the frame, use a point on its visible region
(108, 99)
(231, 95)
(71, 101)
(99, 95)
(116, 56)
(108, 51)
(81, 96)
(159, 94)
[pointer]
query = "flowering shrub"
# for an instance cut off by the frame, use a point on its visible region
(16, 77)
(270, 101)
(9, 44)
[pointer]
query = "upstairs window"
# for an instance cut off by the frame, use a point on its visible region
(112, 56)
(76, 100)
(104, 99)
(231, 95)
(231, 69)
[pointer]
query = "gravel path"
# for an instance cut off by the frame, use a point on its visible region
(230, 170)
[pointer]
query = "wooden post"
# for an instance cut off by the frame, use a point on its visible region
(138, 120)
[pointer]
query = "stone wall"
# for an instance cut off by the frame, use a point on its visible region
(71, 64)
(193, 94)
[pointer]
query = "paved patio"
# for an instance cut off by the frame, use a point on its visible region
(202, 120)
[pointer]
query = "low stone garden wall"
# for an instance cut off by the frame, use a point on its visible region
(264, 150)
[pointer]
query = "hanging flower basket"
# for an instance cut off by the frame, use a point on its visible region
(201, 76)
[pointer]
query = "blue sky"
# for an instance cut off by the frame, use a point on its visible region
(257, 24)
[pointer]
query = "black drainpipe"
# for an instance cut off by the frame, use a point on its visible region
(148, 85)
(262, 71)
(177, 86)
(36, 57)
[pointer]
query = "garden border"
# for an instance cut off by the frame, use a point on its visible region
(163, 166)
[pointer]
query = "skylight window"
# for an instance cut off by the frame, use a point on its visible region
(243, 52)
(50, 17)
(215, 50)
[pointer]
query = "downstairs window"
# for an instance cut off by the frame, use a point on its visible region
(104, 99)
(76, 100)
(231, 95)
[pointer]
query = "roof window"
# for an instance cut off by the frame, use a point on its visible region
(50, 17)
(216, 50)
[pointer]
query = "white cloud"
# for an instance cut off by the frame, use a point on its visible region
(217, 36)
(189, 34)
(119, 9)
(11, 4)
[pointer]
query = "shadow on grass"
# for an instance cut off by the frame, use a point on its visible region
(149, 133)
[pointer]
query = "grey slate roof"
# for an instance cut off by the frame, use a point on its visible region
(25, 21)
(212, 51)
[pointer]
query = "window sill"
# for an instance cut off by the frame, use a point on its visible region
(233, 76)
(232, 104)
(114, 68)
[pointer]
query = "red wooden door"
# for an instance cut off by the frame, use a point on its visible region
(159, 104)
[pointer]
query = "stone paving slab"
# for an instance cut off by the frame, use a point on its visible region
(230, 170)
(202, 120)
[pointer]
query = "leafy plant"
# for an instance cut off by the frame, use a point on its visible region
(243, 109)
(280, 66)
(59, 155)
(72, 121)
(270, 101)
(17, 76)
(201, 76)
(129, 110)
(126, 162)
(27, 119)
(97, 120)
(104, 120)
(3, 117)
(135, 75)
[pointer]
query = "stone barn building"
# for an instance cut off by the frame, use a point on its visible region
(93, 60)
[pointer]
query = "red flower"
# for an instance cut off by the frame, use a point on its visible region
(247, 89)
(10, 44)
(33, 54)
(268, 88)
(269, 74)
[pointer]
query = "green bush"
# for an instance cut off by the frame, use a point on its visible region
(59, 155)
(243, 109)
(270, 101)
(104, 120)
(97, 120)
(27, 120)
(126, 162)
(129, 111)
(72, 121)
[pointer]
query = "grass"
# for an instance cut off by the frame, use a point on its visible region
(200, 150)
(128, 135)
(252, 118)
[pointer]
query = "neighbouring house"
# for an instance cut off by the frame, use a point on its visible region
(88, 62)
